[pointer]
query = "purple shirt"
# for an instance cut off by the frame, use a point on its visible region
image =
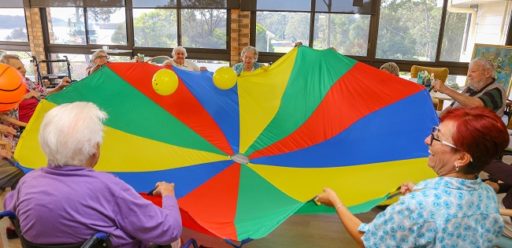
(68, 204)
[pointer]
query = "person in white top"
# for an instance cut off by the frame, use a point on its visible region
(179, 54)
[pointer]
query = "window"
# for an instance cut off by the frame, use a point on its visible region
(485, 22)
(204, 28)
(79, 63)
(409, 30)
(348, 33)
(12, 25)
(278, 31)
(66, 26)
(148, 23)
(106, 26)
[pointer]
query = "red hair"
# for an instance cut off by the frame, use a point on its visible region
(480, 133)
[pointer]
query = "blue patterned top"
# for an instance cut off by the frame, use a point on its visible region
(440, 212)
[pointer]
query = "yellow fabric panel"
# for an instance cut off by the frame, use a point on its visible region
(353, 184)
(120, 152)
(28, 151)
(123, 152)
(259, 95)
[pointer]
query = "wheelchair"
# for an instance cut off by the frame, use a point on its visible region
(97, 240)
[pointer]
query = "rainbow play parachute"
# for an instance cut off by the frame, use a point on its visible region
(247, 158)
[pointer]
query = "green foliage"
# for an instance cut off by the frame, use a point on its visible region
(408, 29)
(453, 36)
(204, 28)
(156, 28)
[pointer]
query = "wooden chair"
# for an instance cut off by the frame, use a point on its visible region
(440, 73)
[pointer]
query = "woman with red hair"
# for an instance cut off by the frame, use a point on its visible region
(455, 209)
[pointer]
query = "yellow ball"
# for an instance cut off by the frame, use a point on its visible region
(224, 78)
(165, 82)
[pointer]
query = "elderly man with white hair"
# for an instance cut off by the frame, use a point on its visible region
(482, 88)
(67, 201)
(179, 55)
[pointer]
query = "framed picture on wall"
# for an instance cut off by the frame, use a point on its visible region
(501, 56)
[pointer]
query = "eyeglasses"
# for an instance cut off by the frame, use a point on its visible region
(434, 136)
(103, 57)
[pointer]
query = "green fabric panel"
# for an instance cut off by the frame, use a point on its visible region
(313, 74)
(131, 111)
(311, 208)
(261, 206)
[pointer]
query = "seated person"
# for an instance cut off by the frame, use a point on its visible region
(179, 55)
(67, 201)
(9, 174)
(98, 58)
(36, 90)
(249, 57)
(500, 179)
(482, 88)
(456, 209)
(391, 67)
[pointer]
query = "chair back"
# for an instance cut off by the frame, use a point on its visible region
(440, 73)
(159, 60)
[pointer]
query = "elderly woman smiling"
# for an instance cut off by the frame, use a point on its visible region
(67, 201)
(456, 209)
(249, 57)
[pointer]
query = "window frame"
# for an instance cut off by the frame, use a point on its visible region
(22, 46)
(193, 53)
(456, 68)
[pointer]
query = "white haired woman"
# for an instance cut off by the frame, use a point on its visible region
(249, 57)
(179, 55)
(82, 201)
(98, 58)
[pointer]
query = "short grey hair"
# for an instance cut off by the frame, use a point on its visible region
(70, 133)
(250, 49)
(178, 48)
(391, 67)
(6, 58)
(485, 64)
(96, 54)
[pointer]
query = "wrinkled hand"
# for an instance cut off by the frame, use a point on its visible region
(163, 189)
(64, 82)
(5, 153)
(31, 94)
(493, 185)
(406, 188)
(138, 59)
(203, 68)
(328, 197)
(7, 130)
(438, 85)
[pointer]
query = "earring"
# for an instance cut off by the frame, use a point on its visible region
(457, 167)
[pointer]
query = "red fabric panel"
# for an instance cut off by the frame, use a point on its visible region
(186, 219)
(219, 195)
(182, 105)
(359, 92)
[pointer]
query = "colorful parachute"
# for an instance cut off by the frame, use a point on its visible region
(247, 158)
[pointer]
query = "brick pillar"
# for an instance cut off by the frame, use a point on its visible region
(240, 33)
(35, 35)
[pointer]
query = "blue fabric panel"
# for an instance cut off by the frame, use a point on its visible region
(222, 105)
(395, 132)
